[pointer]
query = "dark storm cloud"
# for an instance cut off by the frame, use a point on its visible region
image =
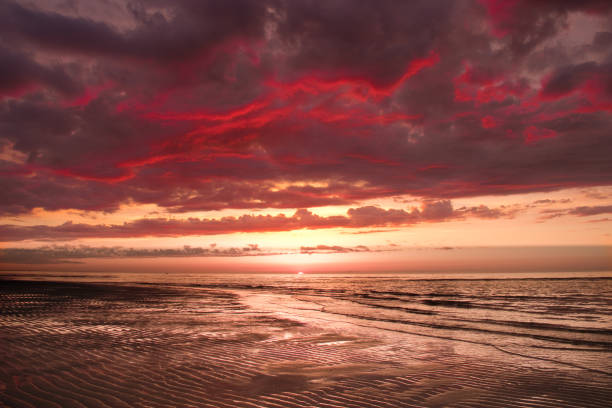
(569, 78)
(186, 29)
(368, 39)
(208, 105)
(18, 72)
(602, 40)
(527, 23)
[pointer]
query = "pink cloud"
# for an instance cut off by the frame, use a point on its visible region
(361, 217)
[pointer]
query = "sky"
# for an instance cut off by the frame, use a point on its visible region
(313, 136)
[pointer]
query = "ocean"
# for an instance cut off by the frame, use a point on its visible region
(316, 340)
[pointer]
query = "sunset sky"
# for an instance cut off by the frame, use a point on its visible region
(306, 135)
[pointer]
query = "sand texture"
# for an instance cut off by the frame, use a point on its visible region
(102, 345)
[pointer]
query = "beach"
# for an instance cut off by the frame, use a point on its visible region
(221, 342)
(299, 203)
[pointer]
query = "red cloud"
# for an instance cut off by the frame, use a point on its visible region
(488, 122)
(362, 217)
(533, 134)
(207, 106)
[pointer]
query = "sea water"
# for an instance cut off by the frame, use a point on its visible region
(560, 318)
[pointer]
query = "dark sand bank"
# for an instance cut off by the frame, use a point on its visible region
(99, 345)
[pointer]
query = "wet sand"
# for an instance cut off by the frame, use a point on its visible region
(102, 345)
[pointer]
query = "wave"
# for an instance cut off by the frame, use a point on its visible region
(441, 326)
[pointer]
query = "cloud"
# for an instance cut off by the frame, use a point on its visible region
(58, 254)
(484, 212)
(528, 24)
(206, 105)
(606, 219)
(185, 29)
(437, 210)
(581, 211)
(591, 80)
(546, 201)
(361, 217)
(71, 254)
(372, 231)
(596, 194)
(585, 211)
(19, 73)
(333, 249)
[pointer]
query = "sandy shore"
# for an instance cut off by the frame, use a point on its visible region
(94, 345)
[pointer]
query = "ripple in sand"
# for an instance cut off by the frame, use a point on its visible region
(76, 345)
